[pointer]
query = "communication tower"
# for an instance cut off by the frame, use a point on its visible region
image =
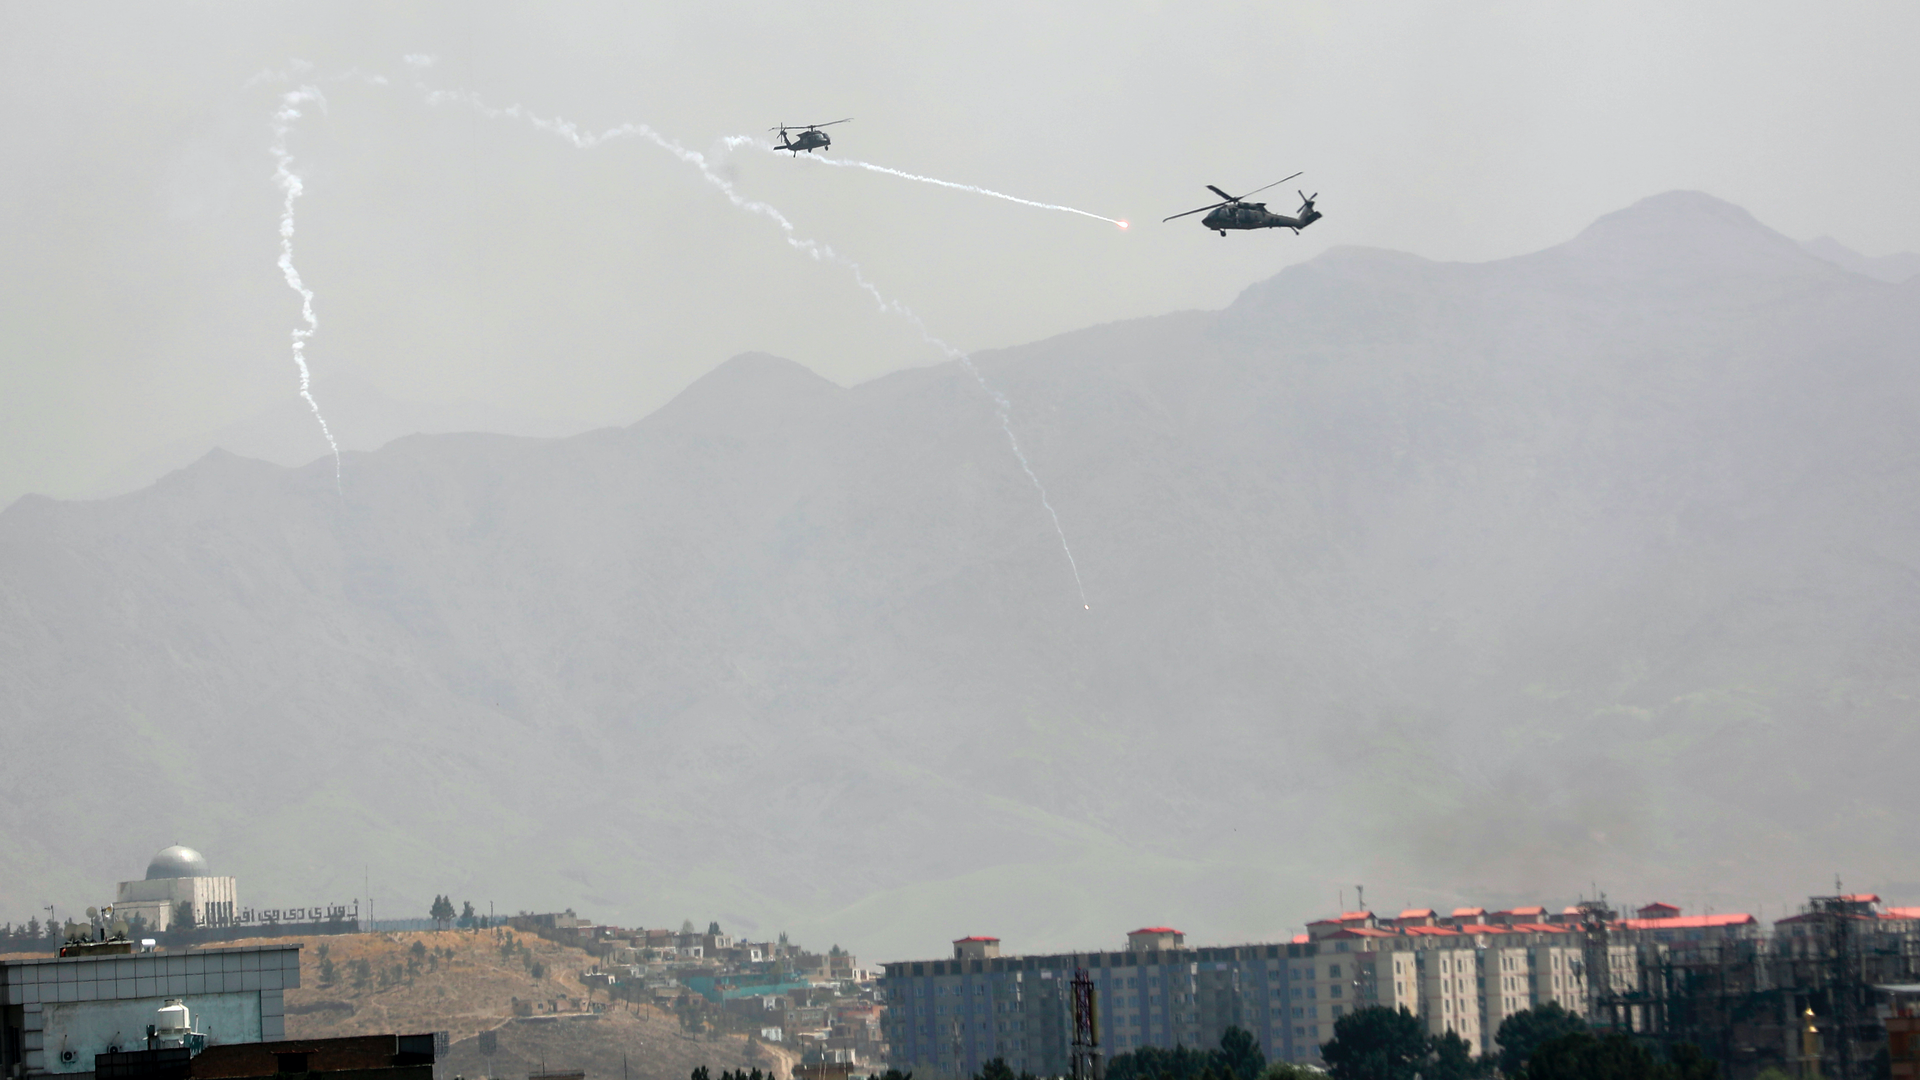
(1086, 1029)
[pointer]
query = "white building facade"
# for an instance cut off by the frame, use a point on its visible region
(177, 875)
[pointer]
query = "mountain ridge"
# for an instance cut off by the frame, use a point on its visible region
(1372, 554)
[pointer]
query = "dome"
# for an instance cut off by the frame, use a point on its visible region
(177, 861)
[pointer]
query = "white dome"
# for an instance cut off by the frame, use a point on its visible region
(177, 861)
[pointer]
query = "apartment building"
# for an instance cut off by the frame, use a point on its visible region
(946, 1018)
(1464, 972)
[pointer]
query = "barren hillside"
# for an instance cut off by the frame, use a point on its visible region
(465, 982)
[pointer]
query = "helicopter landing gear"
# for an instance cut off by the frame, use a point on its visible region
(1223, 234)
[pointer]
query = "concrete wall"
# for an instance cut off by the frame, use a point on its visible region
(85, 1004)
(86, 1028)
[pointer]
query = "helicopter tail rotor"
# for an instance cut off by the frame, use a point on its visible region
(1308, 215)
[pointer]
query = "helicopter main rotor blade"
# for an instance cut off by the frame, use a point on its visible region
(1195, 211)
(1220, 193)
(1276, 183)
(829, 123)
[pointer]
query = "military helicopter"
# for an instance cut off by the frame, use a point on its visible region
(1234, 214)
(810, 137)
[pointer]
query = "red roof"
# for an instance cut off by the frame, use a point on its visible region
(1361, 931)
(976, 937)
(1299, 939)
(1541, 928)
(1432, 931)
(1535, 910)
(1862, 898)
(1483, 928)
(1691, 922)
(1154, 930)
(1417, 913)
(1901, 913)
(1468, 912)
(1658, 906)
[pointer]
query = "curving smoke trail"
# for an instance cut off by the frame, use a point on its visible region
(290, 184)
(734, 141)
(820, 252)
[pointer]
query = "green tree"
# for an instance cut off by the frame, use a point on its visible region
(997, 1069)
(1158, 1063)
(1688, 1063)
(1375, 1043)
(1453, 1060)
(1239, 1055)
(1582, 1056)
(183, 915)
(1527, 1029)
(328, 973)
(1287, 1070)
(468, 920)
(441, 912)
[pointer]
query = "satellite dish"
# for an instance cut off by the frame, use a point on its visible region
(93, 913)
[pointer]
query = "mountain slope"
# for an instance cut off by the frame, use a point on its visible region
(1482, 580)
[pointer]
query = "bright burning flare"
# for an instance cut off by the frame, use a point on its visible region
(1123, 224)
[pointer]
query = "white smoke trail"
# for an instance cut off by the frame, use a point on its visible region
(734, 141)
(290, 184)
(820, 252)
(1004, 410)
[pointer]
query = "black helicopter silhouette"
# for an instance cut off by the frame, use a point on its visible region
(1232, 213)
(808, 139)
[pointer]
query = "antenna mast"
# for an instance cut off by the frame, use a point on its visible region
(1086, 1029)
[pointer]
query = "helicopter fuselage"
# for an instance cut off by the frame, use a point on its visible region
(1255, 216)
(806, 140)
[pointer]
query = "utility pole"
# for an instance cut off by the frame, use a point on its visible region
(1594, 919)
(1086, 1029)
(1844, 989)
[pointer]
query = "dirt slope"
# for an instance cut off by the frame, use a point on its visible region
(464, 982)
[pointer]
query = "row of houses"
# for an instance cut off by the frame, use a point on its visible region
(821, 1004)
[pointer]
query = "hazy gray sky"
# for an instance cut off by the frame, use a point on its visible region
(481, 262)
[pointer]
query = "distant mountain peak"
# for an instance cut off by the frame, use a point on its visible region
(1688, 231)
(744, 394)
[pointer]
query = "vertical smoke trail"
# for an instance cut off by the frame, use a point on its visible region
(850, 163)
(289, 182)
(820, 252)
